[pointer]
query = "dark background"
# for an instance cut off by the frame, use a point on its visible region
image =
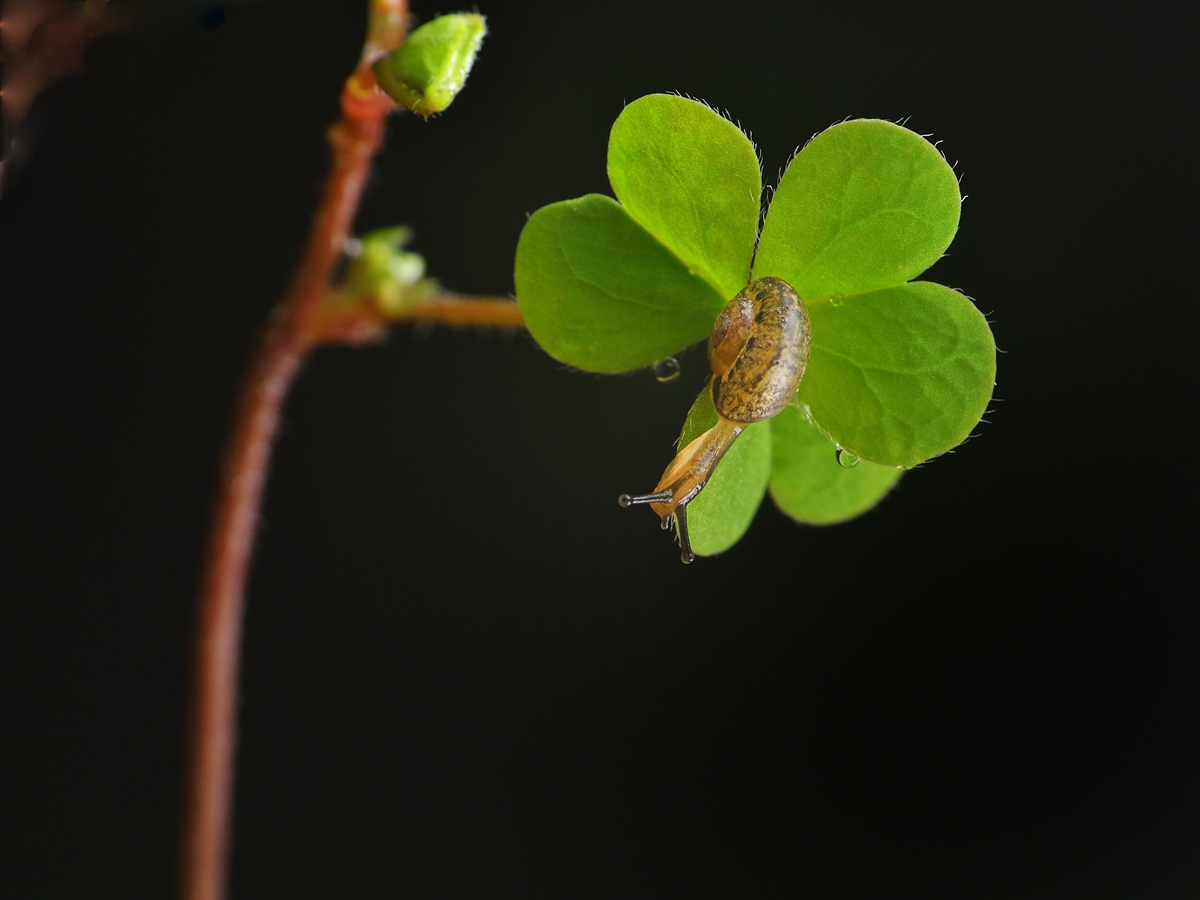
(467, 671)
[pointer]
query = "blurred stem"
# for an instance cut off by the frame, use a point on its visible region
(281, 348)
(364, 322)
(456, 309)
(287, 337)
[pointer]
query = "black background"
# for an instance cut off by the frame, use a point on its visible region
(467, 671)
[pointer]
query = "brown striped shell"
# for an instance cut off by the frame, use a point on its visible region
(758, 350)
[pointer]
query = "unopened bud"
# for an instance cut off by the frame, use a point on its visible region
(429, 69)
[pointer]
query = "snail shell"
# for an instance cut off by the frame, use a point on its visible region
(758, 351)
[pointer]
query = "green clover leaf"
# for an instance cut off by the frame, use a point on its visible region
(899, 370)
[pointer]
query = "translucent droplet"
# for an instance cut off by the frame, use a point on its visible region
(624, 500)
(688, 557)
(666, 369)
(846, 459)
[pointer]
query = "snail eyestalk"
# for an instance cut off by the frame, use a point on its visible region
(758, 352)
(632, 500)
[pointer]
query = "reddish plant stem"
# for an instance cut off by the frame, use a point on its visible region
(355, 139)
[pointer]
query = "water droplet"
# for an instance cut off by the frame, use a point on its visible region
(846, 459)
(624, 500)
(666, 369)
(688, 557)
(666, 523)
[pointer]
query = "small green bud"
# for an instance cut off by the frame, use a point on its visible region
(426, 72)
(381, 268)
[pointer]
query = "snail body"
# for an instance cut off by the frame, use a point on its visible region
(757, 352)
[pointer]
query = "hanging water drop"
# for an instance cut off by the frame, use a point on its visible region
(666, 369)
(846, 459)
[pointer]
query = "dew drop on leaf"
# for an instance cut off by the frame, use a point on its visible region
(666, 369)
(845, 459)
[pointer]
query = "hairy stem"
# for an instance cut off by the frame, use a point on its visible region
(354, 140)
(365, 323)
(456, 309)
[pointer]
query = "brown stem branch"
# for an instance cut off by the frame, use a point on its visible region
(457, 309)
(355, 140)
(366, 323)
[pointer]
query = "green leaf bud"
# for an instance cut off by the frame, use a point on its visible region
(429, 69)
(381, 268)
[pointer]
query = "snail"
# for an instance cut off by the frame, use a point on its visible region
(757, 352)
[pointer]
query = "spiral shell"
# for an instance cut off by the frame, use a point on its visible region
(758, 351)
